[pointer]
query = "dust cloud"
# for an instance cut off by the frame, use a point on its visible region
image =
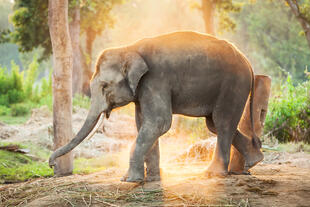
(137, 19)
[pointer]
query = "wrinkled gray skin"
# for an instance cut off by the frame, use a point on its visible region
(178, 73)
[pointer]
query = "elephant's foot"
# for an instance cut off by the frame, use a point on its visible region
(135, 174)
(239, 173)
(152, 175)
(152, 178)
(236, 164)
(132, 178)
(216, 169)
(252, 159)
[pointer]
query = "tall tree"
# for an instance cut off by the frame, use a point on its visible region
(8, 51)
(302, 14)
(216, 15)
(208, 10)
(62, 78)
(74, 28)
(96, 17)
(262, 29)
(29, 16)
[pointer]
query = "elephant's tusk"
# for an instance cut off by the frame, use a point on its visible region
(93, 131)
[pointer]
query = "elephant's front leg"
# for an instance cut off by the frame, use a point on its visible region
(156, 116)
(152, 163)
(152, 158)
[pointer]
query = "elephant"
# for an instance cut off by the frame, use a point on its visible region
(182, 72)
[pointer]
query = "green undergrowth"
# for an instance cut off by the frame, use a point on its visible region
(20, 113)
(290, 147)
(7, 119)
(294, 147)
(15, 167)
(18, 167)
(288, 117)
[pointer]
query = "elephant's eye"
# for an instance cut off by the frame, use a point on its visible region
(104, 86)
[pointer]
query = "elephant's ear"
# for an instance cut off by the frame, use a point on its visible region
(134, 68)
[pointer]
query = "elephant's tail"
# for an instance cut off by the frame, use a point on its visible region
(255, 139)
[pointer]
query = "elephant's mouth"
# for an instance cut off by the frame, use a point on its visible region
(107, 112)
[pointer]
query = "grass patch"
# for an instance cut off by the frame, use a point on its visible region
(86, 166)
(7, 119)
(294, 147)
(291, 147)
(16, 167)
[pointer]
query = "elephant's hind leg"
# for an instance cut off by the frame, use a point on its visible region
(249, 149)
(242, 148)
(226, 117)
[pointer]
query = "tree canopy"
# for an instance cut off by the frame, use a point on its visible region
(31, 23)
(270, 35)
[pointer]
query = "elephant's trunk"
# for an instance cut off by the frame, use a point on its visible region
(88, 129)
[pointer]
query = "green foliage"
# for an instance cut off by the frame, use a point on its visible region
(11, 86)
(30, 16)
(268, 33)
(288, 117)
(96, 15)
(8, 51)
(304, 7)
(4, 110)
(224, 8)
(31, 76)
(19, 91)
(20, 109)
(16, 167)
(293, 147)
(9, 119)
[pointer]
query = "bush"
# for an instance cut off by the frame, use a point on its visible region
(19, 91)
(4, 110)
(30, 78)
(4, 100)
(11, 86)
(20, 109)
(288, 117)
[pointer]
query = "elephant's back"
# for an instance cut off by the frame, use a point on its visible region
(195, 66)
(192, 51)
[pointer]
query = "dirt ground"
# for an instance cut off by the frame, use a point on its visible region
(181, 185)
(282, 179)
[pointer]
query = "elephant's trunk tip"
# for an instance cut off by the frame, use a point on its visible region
(51, 161)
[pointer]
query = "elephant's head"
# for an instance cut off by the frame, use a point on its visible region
(114, 84)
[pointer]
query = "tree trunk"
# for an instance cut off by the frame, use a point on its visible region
(62, 79)
(302, 20)
(208, 12)
(90, 38)
(74, 26)
(261, 97)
